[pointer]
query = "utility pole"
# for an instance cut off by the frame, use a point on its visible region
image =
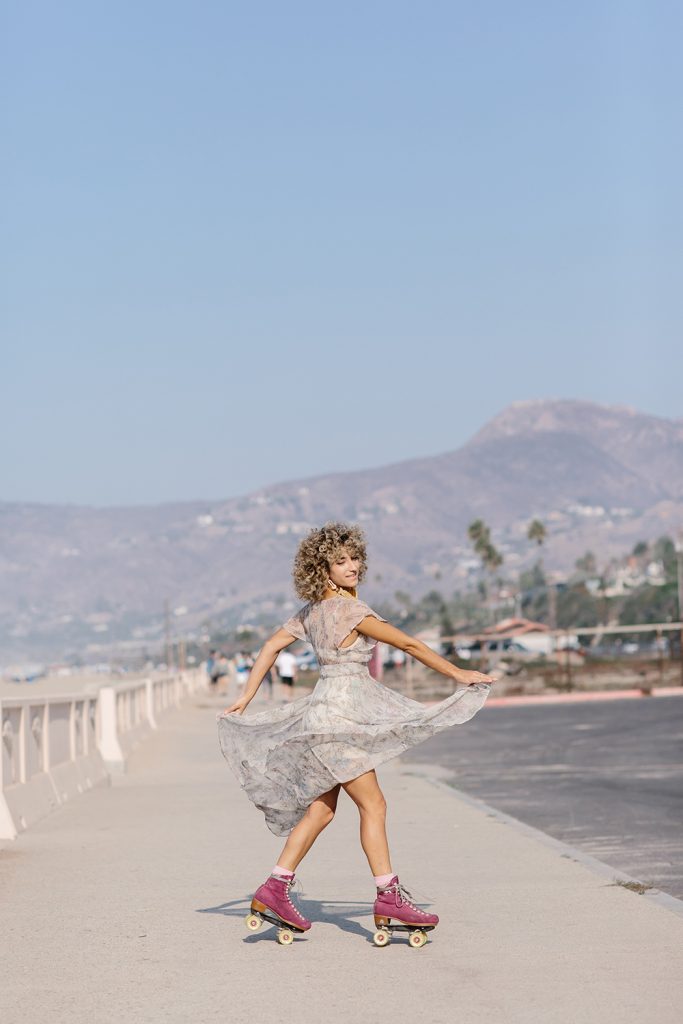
(678, 544)
(568, 662)
(552, 605)
(552, 617)
(167, 636)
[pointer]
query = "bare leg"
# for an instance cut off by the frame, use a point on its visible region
(286, 693)
(301, 838)
(368, 797)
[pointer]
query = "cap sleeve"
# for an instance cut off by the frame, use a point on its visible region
(295, 625)
(348, 615)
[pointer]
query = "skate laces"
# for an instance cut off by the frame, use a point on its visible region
(289, 882)
(403, 895)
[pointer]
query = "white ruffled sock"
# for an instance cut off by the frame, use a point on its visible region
(381, 880)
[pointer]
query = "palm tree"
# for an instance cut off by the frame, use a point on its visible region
(491, 558)
(537, 533)
(480, 536)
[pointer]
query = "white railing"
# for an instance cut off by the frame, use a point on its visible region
(49, 755)
(128, 713)
(55, 747)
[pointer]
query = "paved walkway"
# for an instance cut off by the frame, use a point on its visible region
(127, 905)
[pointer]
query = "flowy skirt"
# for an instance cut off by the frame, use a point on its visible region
(286, 757)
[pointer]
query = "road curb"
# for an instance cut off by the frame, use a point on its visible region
(589, 695)
(598, 867)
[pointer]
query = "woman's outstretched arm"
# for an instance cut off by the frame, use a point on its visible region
(388, 634)
(265, 660)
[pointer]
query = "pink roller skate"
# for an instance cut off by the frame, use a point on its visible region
(272, 902)
(394, 903)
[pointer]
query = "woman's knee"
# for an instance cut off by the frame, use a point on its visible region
(374, 805)
(367, 795)
(322, 812)
(325, 816)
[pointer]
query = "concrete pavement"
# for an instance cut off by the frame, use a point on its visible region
(127, 905)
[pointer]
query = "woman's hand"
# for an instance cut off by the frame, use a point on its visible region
(238, 707)
(470, 678)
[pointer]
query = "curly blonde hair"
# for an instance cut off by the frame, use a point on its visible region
(318, 550)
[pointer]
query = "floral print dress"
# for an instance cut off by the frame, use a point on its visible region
(286, 757)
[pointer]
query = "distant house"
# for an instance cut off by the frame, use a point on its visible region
(515, 627)
(431, 636)
(534, 637)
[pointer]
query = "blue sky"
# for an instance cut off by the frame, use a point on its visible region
(250, 242)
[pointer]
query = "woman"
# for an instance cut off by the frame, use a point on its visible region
(292, 761)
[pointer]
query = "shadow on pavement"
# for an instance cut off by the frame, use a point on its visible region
(314, 910)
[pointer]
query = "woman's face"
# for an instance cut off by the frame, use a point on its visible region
(344, 570)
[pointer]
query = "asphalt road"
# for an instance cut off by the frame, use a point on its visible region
(606, 777)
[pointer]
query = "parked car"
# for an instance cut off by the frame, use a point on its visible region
(307, 662)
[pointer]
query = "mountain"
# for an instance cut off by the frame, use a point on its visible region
(650, 447)
(600, 477)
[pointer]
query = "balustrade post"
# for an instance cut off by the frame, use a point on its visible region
(23, 745)
(73, 731)
(7, 740)
(149, 695)
(45, 739)
(110, 747)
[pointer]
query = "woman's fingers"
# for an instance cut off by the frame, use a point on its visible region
(477, 677)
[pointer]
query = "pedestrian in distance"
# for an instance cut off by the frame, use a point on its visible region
(210, 662)
(293, 760)
(286, 666)
(268, 681)
(242, 668)
(211, 665)
(222, 672)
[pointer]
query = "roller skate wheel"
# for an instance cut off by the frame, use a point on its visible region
(253, 922)
(285, 937)
(382, 937)
(417, 939)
